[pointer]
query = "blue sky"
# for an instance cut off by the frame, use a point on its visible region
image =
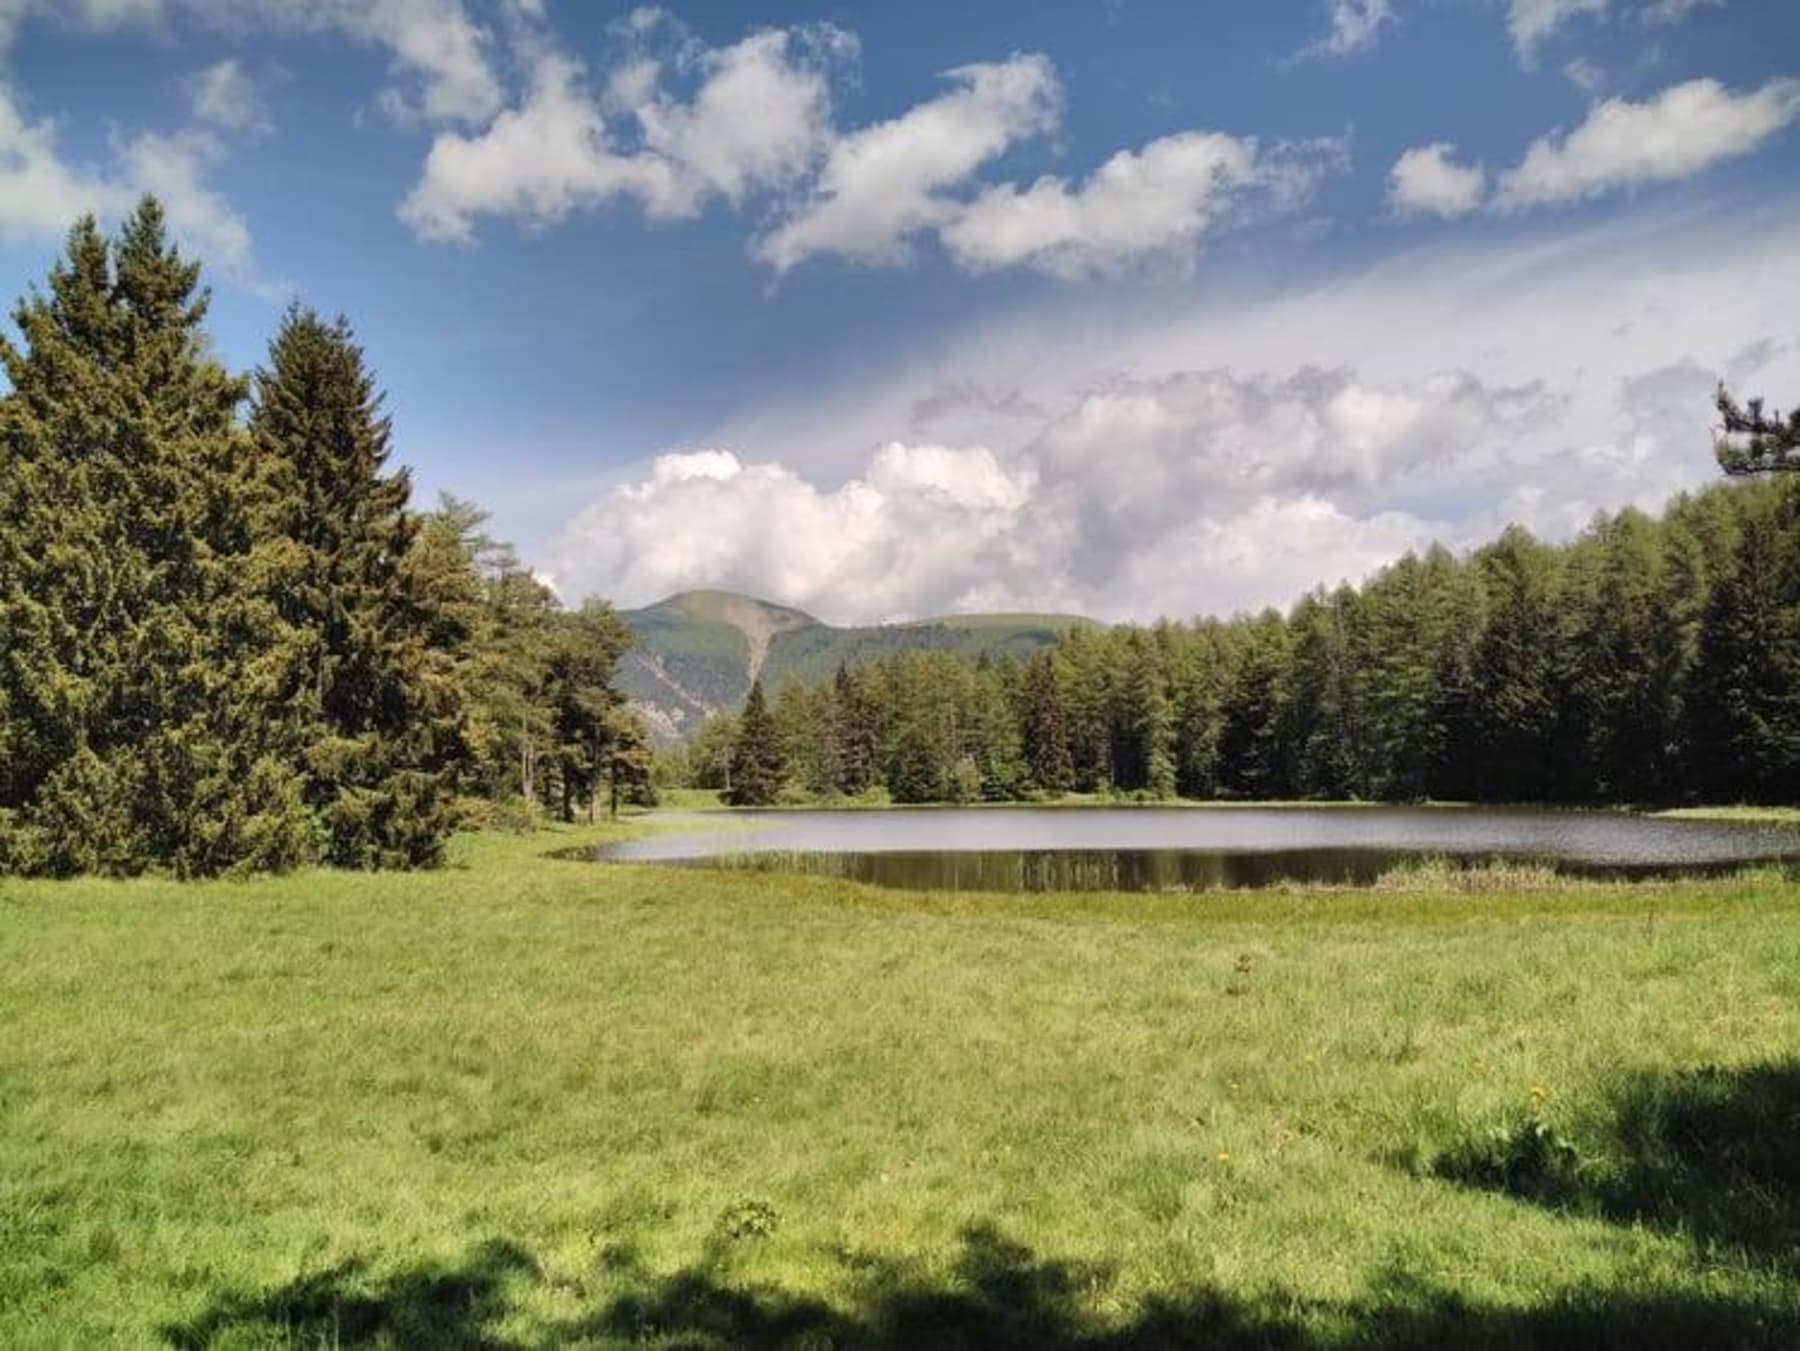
(884, 310)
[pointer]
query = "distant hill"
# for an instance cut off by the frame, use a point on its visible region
(698, 651)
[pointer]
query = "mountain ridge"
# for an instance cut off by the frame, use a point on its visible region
(698, 651)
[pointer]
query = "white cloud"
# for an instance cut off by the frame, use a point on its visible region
(1158, 201)
(174, 168)
(1529, 22)
(225, 97)
(883, 185)
(1532, 22)
(878, 542)
(1137, 489)
(440, 52)
(540, 161)
(1674, 11)
(1683, 130)
(759, 118)
(1355, 26)
(1426, 181)
(1211, 455)
(92, 15)
(41, 194)
(438, 49)
(1584, 75)
(758, 124)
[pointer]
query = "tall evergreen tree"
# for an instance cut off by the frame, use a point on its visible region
(140, 664)
(376, 687)
(756, 766)
(1047, 725)
(856, 729)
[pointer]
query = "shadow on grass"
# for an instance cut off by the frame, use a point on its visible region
(344, 1306)
(999, 1294)
(1712, 1154)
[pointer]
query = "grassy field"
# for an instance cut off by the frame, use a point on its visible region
(535, 1102)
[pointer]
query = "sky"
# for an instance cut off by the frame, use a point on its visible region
(1115, 307)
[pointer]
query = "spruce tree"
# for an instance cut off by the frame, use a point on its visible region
(1047, 725)
(756, 767)
(140, 667)
(375, 686)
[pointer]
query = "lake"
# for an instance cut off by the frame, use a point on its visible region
(1189, 848)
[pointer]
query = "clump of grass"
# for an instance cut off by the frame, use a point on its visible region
(746, 1218)
(1528, 1158)
(1443, 875)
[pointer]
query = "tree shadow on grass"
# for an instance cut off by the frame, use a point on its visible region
(1712, 1154)
(998, 1294)
(426, 1306)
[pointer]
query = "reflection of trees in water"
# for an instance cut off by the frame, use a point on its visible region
(1152, 870)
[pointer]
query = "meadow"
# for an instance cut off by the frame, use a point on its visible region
(526, 1101)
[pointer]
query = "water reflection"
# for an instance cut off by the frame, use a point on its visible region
(1014, 870)
(1121, 849)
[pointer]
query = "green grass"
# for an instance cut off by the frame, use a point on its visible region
(533, 1102)
(1775, 816)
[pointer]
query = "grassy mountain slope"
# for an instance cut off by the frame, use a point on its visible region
(698, 651)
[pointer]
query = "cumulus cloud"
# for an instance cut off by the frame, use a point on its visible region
(759, 124)
(41, 193)
(884, 184)
(1154, 202)
(1427, 181)
(1354, 27)
(1141, 491)
(1221, 455)
(1680, 132)
(919, 523)
(758, 118)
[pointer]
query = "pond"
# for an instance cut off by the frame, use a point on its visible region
(1191, 848)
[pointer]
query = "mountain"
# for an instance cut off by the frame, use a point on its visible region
(698, 651)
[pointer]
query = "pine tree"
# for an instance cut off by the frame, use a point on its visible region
(376, 683)
(756, 767)
(140, 666)
(1770, 443)
(1745, 699)
(856, 729)
(1144, 732)
(1514, 707)
(584, 648)
(1047, 725)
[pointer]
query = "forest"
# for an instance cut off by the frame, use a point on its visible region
(228, 640)
(1650, 661)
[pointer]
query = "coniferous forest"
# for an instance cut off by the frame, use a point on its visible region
(229, 641)
(1652, 660)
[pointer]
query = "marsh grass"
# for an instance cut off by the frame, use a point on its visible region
(522, 1102)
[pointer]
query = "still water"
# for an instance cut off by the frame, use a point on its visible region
(1181, 849)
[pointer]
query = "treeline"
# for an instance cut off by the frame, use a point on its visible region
(228, 642)
(1649, 661)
